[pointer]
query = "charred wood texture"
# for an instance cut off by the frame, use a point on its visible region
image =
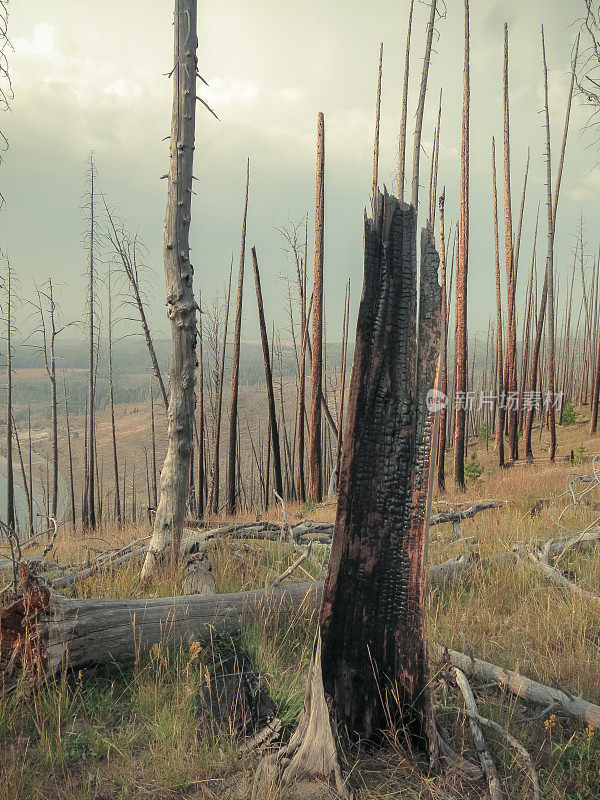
(374, 657)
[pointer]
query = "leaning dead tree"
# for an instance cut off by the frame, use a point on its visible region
(273, 427)
(181, 303)
(370, 657)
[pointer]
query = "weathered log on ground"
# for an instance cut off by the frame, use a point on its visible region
(60, 631)
(52, 632)
(545, 696)
(467, 513)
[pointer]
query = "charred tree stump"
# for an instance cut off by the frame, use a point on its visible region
(370, 669)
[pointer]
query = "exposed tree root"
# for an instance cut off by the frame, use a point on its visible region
(311, 752)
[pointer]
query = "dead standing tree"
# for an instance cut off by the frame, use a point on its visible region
(315, 485)
(126, 248)
(461, 280)
(370, 657)
(47, 311)
(181, 304)
(90, 471)
(235, 372)
(273, 429)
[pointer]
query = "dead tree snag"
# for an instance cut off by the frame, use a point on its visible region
(181, 304)
(370, 669)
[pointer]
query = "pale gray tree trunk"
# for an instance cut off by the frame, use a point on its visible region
(181, 304)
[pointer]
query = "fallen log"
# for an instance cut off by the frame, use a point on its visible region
(54, 631)
(49, 632)
(467, 513)
(545, 696)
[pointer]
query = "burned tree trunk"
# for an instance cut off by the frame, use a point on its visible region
(315, 487)
(549, 265)
(461, 281)
(90, 505)
(111, 392)
(510, 352)
(370, 659)
(200, 425)
(402, 137)
(500, 393)
(181, 304)
(10, 487)
(273, 430)
(441, 448)
(216, 475)
(235, 373)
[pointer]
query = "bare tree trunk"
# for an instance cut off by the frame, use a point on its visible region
(545, 291)
(301, 399)
(214, 494)
(26, 486)
(443, 413)
(377, 118)
(130, 267)
(90, 515)
(510, 375)
(596, 392)
(181, 305)
(527, 328)
(10, 491)
(421, 106)
(274, 433)
(112, 406)
(71, 476)
(434, 167)
(402, 137)
(201, 472)
(461, 280)
(342, 382)
(315, 488)
(235, 372)
(30, 507)
(500, 392)
(549, 265)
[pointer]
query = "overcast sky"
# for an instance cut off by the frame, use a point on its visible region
(92, 77)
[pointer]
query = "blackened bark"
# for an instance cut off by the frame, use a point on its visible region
(274, 434)
(235, 373)
(374, 657)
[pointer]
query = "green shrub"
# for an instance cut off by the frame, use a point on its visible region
(581, 455)
(568, 415)
(473, 469)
